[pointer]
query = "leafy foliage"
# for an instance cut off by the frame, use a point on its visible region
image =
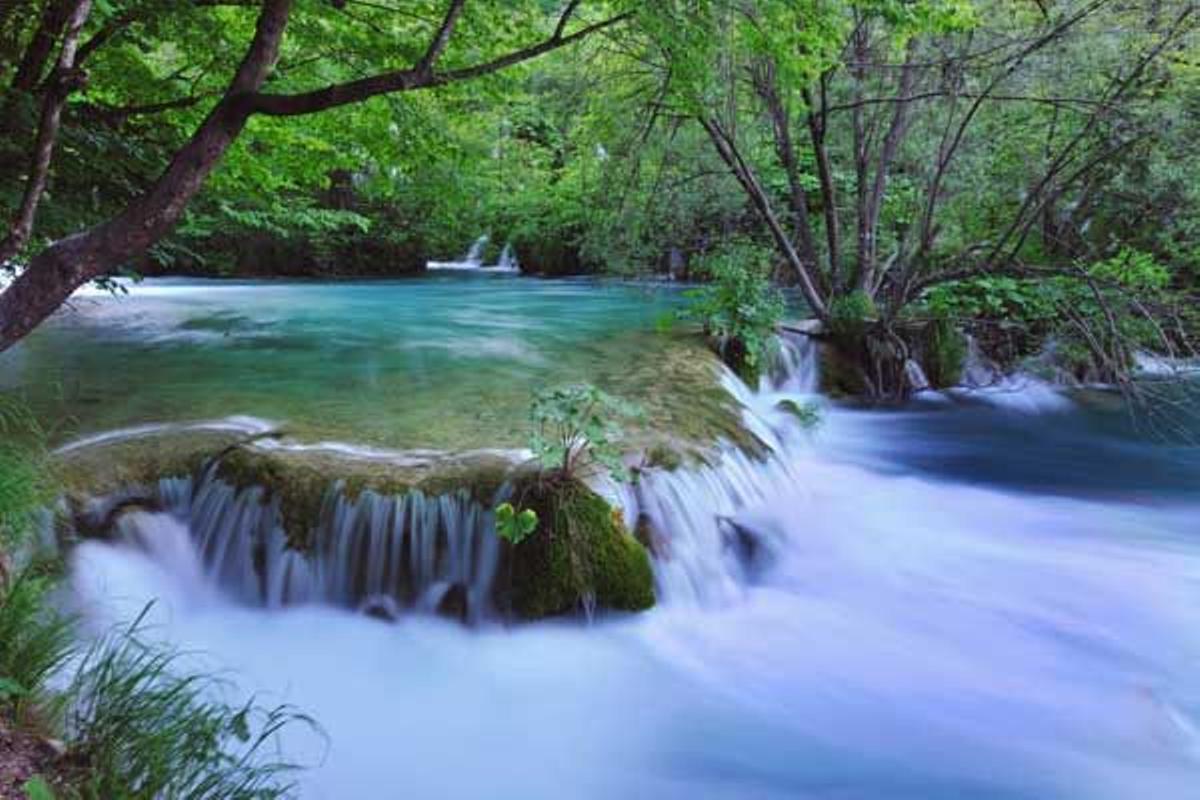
(576, 430)
(35, 641)
(515, 526)
(740, 309)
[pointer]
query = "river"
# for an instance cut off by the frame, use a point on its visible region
(962, 598)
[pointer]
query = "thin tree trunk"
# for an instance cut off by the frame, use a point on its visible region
(817, 121)
(41, 45)
(768, 91)
(869, 274)
(66, 265)
(43, 150)
(762, 204)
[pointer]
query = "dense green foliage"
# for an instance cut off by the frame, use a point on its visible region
(739, 309)
(924, 156)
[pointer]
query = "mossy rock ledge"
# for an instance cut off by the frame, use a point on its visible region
(127, 470)
(581, 546)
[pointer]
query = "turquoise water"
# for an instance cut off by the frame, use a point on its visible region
(440, 361)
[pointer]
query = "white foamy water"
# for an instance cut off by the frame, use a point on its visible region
(829, 626)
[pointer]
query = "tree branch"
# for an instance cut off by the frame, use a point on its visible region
(63, 81)
(341, 94)
(442, 38)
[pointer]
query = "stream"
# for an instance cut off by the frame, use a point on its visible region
(964, 598)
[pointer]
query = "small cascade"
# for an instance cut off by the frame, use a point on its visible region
(377, 553)
(703, 554)
(475, 253)
(915, 376)
(508, 260)
(983, 379)
(473, 260)
(794, 366)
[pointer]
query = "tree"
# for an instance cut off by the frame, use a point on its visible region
(954, 139)
(254, 89)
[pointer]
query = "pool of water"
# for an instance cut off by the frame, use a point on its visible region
(442, 361)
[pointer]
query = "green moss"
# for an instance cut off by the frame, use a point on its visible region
(683, 398)
(581, 546)
(850, 315)
(106, 467)
(662, 456)
(946, 353)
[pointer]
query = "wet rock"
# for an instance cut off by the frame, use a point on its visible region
(581, 551)
(455, 603)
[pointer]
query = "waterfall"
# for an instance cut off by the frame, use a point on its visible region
(984, 380)
(703, 555)
(473, 260)
(475, 253)
(377, 553)
(508, 260)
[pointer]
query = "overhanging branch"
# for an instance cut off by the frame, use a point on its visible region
(340, 94)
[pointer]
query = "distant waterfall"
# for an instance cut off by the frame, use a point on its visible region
(508, 260)
(473, 260)
(377, 553)
(475, 253)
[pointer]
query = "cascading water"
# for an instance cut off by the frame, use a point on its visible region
(508, 260)
(372, 552)
(475, 254)
(835, 622)
(473, 260)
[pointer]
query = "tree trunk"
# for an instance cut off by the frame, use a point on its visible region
(69, 263)
(60, 85)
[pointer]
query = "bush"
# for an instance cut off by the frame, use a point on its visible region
(576, 430)
(740, 310)
(850, 314)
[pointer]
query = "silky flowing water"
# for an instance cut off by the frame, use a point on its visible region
(972, 598)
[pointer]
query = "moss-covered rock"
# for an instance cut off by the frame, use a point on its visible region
(140, 460)
(581, 547)
(299, 478)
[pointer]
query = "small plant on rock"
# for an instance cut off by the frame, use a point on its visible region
(576, 431)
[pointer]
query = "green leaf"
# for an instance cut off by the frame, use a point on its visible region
(10, 689)
(36, 788)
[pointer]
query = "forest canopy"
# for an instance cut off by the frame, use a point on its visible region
(1020, 167)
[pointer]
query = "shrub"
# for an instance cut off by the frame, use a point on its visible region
(576, 430)
(740, 309)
